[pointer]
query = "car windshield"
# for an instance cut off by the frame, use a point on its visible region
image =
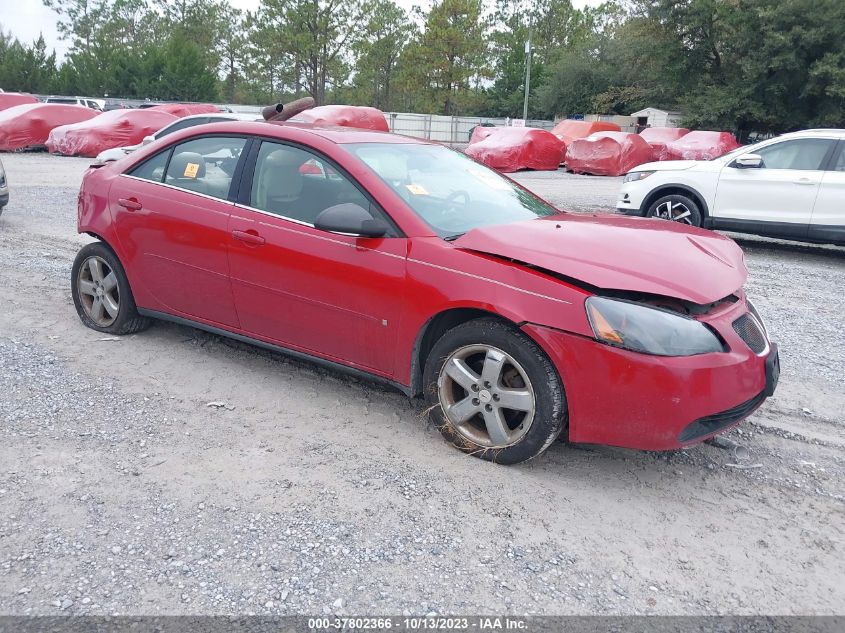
(450, 192)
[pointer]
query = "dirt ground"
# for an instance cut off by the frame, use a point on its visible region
(309, 492)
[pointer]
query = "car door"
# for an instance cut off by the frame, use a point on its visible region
(828, 221)
(779, 195)
(335, 296)
(172, 215)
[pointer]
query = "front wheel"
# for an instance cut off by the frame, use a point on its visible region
(493, 393)
(101, 292)
(676, 208)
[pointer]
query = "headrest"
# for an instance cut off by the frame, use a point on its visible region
(187, 165)
(281, 175)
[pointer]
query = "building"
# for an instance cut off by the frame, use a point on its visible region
(654, 117)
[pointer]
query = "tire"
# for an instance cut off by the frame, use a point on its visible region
(116, 313)
(517, 435)
(677, 208)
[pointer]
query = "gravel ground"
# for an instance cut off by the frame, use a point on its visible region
(122, 491)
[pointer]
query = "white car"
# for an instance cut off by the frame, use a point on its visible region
(94, 104)
(117, 153)
(791, 187)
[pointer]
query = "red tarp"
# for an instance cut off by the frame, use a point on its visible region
(11, 99)
(116, 128)
(28, 125)
(660, 137)
(481, 132)
(362, 117)
(607, 154)
(513, 148)
(701, 146)
(186, 109)
(568, 129)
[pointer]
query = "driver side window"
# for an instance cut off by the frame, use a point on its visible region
(295, 184)
(800, 154)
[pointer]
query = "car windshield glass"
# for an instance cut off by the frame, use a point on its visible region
(450, 192)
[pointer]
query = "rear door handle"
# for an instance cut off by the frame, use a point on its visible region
(805, 181)
(250, 237)
(130, 203)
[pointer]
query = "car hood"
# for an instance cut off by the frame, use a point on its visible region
(667, 165)
(616, 253)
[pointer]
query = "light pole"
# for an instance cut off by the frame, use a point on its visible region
(527, 73)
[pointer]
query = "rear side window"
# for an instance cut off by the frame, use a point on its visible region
(802, 154)
(152, 168)
(205, 165)
(839, 161)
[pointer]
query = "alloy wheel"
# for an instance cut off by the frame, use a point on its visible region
(486, 395)
(98, 291)
(674, 211)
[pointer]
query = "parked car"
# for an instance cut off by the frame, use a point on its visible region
(117, 153)
(4, 188)
(94, 104)
(792, 187)
(419, 267)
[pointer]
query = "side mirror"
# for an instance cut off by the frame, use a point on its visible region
(350, 219)
(147, 140)
(749, 161)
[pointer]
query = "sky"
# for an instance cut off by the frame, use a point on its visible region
(31, 17)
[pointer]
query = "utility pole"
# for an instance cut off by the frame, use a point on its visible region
(527, 73)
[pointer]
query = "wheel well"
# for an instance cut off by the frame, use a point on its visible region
(681, 191)
(431, 332)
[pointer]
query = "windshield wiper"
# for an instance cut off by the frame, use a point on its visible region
(452, 238)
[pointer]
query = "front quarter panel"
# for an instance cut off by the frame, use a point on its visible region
(442, 277)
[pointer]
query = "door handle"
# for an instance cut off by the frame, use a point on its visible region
(249, 237)
(805, 181)
(130, 203)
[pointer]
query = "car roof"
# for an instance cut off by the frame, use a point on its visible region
(832, 132)
(335, 134)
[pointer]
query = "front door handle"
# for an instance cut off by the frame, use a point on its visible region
(131, 204)
(805, 181)
(249, 237)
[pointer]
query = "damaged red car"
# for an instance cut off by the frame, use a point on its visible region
(410, 263)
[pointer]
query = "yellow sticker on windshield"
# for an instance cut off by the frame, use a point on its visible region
(191, 170)
(417, 190)
(491, 180)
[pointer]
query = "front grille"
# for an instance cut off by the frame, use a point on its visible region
(750, 332)
(718, 421)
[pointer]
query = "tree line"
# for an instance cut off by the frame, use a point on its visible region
(742, 65)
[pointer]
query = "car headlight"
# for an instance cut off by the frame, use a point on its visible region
(649, 330)
(637, 175)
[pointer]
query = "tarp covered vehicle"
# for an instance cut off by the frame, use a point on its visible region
(115, 128)
(186, 109)
(607, 154)
(568, 130)
(363, 117)
(660, 137)
(701, 146)
(481, 132)
(11, 99)
(513, 148)
(29, 125)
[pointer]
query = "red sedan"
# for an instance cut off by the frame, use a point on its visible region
(411, 263)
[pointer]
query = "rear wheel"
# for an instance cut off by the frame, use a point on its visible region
(493, 393)
(101, 292)
(676, 208)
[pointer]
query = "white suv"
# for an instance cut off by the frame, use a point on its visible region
(791, 187)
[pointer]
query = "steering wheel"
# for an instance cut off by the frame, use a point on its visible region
(451, 200)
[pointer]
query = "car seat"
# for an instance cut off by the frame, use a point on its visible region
(186, 171)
